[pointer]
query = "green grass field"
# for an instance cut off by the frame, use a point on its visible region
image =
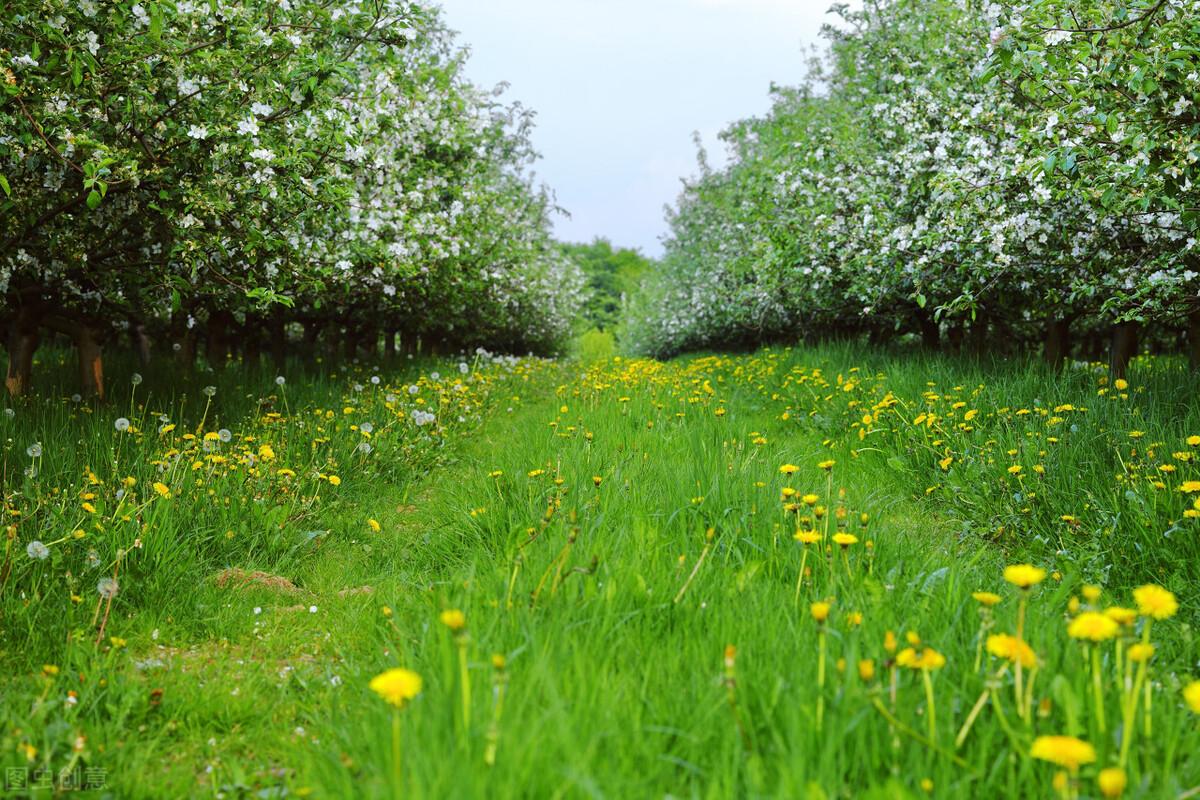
(221, 576)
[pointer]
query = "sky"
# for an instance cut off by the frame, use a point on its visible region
(619, 86)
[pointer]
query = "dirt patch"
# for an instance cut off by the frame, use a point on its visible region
(235, 578)
(356, 590)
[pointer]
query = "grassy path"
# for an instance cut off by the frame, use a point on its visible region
(622, 543)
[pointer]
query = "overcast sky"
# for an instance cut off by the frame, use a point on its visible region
(619, 86)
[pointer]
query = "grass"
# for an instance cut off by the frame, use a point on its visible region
(609, 532)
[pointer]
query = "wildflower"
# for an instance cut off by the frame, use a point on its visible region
(788, 469)
(597, 480)
(225, 435)
(1142, 651)
(107, 588)
(1024, 576)
(1194, 441)
(1122, 616)
(1093, 626)
(453, 619)
(1190, 486)
(1091, 593)
(1191, 696)
(819, 611)
(34, 450)
(1010, 648)
(845, 539)
(37, 551)
(280, 380)
(1111, 781)
(162, 490)
(986, 598)
(810, 499)
(121, 424)
(866, 670)
(826, 465)
(1065, 751)
(889, 642)
(927, 659)
(1155, 601)
(396, 686)
(1015, 469)
(807, 537)
(373, 525)
(266, 452)
(1121, 384)
(334, 480)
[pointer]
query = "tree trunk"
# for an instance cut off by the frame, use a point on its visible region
(87, 348)
(350, 344)
(1058, 342)
(91, 362)
(278, 334)
(1124, 348)
(312, 332)
(931, 333)
(955, 335)
(23, 342)
(217, 350)
(252, 341)
(1193, 321)
(141, 342)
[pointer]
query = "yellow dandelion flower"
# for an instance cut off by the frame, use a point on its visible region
(819, 611)
(866, 670)
(1010, 648)
(162, 490)
(807, 537)
(1155, 601)
(1142, 651)
(788, 469)
(374, 525)
(397, 686)
(334, 480)
(1093, 626)
(826, 465)
(1065, 751)
(1120, 615)
(845, 539)
(1024, 576)
(1191, 696)
(453, 619)
(986, 598)
(1111, 782)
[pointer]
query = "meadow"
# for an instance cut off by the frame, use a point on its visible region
(802, 572)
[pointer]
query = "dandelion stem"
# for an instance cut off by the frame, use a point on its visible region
(465, 681)
(975, 709)
(695, 569)
(900, 726)
(800, 577)
(1019, 685)
(397, 792)
(928, 681)
(1098, 688)
(820, 677)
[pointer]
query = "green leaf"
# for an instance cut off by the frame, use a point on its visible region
(93, 199)
(4, 185)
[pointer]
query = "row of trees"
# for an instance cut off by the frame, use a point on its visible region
(253, 171)
(967, 171)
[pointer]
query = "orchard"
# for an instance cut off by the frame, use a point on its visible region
(328, 469)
